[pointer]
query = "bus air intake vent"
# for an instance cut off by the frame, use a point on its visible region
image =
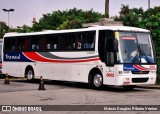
(139, 80)
(140, 72)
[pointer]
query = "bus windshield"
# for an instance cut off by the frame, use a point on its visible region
(134, 48)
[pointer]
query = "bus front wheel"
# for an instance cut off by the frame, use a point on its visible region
(96, 81)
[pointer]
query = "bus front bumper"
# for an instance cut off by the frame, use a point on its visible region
(135, 80)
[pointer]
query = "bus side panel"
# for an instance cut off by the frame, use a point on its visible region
(61, 72)
(53, 71)
(79, 73)
(11, 68)
(109, 76)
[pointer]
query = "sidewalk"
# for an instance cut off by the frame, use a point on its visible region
(156, 86)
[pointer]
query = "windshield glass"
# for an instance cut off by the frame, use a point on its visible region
(134, 48)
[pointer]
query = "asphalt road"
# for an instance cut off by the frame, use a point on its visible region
(65, 93)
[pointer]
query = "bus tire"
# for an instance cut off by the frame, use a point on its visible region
(29, 74)
(96, 81)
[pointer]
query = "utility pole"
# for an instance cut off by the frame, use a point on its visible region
(107, 8)
(149, 4)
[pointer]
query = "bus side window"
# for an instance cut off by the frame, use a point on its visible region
(51, 42)
(92, 45)
(13, 47)
(51, 46)
(89, 40)
(33, 42)
(10, 44)
(48, 46)
(55, 46)
(13, 44)
(25, 44)
(79, 44)
(34, 46)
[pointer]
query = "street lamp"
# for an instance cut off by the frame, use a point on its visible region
(8, 10)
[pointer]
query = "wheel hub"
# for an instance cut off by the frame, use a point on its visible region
(30, 74)
(97, 80)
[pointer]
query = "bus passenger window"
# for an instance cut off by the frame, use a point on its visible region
(67, 42)
(34, 46)
(55, 46)
(51, 42)
(10, 44)
(25, 44)
(89, 40)
(13, 47)
(79, 44)
(48, 46)
(35, 43)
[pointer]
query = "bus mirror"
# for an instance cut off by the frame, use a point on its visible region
(109, 59)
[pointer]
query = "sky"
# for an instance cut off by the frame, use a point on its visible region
(25, 10)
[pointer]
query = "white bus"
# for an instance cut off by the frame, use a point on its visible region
(112, 55)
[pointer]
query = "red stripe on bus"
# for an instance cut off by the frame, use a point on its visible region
(36, 57)
(139, 67)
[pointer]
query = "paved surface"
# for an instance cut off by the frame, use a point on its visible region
(64, 93)
(149, 86)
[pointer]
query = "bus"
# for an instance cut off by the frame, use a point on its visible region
(100, 55)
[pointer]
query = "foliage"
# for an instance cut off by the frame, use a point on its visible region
(23, 29)
(130, 17)
(69, 19)
(3, 29)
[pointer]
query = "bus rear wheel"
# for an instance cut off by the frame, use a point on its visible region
(30, 74)
(96, 81)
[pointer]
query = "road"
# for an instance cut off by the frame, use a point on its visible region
(64, 93)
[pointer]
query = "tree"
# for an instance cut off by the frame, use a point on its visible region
(130, 17)
(69, 19)
(3, 29)
(23, 29)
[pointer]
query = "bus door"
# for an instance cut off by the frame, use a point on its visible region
(107, 49)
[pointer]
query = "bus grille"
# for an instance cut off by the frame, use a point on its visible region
(139, 80)
(140, 72)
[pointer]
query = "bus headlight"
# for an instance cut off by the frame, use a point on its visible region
(125, 79)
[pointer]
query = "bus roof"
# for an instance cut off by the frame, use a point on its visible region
(115, 28)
